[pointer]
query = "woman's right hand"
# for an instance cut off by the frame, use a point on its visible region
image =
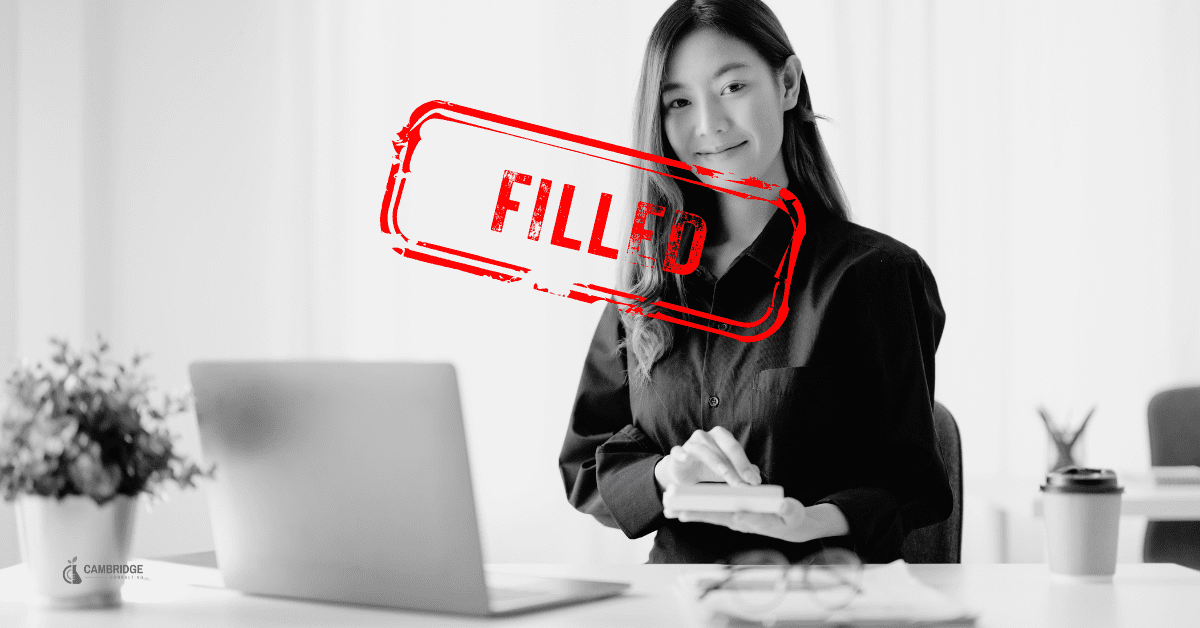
(712, 456)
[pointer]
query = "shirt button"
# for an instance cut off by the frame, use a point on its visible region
(713, 401)
(723, 326)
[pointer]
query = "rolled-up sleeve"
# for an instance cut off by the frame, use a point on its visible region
(607, 462)
(903, 484)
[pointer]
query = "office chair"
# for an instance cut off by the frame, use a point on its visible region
(941, 542)
(1174, 421)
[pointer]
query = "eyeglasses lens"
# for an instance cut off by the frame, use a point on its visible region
(834, 576)
(758, 579)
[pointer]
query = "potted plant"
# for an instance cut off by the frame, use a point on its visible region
(80, 438)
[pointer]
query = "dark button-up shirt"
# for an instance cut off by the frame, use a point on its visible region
(835, 406)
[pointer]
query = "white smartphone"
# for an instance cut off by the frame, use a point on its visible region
(721, 497)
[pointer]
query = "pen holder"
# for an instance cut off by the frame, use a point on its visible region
(1066, 442)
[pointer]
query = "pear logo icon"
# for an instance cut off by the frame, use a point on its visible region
(70, 574)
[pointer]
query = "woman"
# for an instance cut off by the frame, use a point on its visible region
(836, 405)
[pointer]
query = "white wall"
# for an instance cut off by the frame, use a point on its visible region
(200, 181)
(1042, 157)
(8, 209)
(8, 187)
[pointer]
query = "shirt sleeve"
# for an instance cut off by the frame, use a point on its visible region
(607, 462)
(903, 486)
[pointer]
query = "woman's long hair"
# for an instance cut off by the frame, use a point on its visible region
(809, 169)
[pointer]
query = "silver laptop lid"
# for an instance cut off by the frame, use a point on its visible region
(342, 481)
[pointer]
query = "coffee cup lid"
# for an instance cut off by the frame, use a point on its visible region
(1082, 480)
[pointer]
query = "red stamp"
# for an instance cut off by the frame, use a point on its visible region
(481, 190)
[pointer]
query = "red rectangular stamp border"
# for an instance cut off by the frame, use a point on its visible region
(408, 139)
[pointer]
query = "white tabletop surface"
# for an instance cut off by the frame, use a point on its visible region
(1142, 497)
(1003, 595)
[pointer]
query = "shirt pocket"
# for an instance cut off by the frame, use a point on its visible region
(791, 380)
(796, 427)
(795, 398)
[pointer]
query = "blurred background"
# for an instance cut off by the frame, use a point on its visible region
(202, 180)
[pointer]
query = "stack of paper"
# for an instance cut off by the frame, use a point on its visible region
(890, 596)
(1189, 474)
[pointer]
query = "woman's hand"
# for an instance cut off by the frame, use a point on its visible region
(794, 522)
(716, 456)
(787, 524)
(712, 456)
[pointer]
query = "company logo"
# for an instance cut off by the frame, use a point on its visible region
(70, 574)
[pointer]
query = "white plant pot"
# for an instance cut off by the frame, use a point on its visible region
(52, 532)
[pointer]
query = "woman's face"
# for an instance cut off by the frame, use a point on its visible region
(723, 106)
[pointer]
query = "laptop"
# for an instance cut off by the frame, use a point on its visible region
(349, 482)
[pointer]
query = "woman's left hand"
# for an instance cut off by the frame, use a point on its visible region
(787, 524)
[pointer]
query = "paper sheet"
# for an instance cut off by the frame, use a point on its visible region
(890, 596)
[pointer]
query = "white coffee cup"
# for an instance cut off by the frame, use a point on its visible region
(1082, 509)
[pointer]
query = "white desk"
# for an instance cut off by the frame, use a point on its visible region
(1003, 595)
(1019, 496)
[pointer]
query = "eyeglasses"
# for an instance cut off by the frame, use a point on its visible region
(758, 580)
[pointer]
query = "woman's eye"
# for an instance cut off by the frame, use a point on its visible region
(733, 87)
(677, 103)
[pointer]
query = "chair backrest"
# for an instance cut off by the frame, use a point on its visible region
(941, 542)
(1174, 418)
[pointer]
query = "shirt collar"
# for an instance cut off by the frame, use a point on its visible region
(772, 242)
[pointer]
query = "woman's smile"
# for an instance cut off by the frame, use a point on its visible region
(720, 151)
